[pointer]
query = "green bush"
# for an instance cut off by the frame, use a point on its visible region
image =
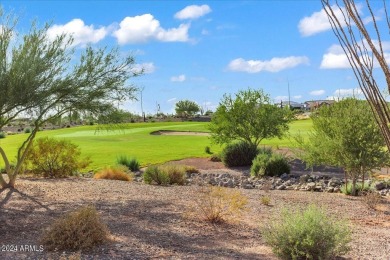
(359, 188)
(27, 130)
(55, 158)
(238, 154)
(215, 158)
(2, 135)
(176, 173)
(307, 234)
(269, 164)
(131, 163)
(207, 150)
(154, 174)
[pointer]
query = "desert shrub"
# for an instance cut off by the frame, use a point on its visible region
(371, 199)
(218, 204)
(191, 169)
(347, 189)
(27, 130)
(78, 230)
(269, 164)
(114, 173)
(2, 135)
(238, 154)
(215, 158)
(154, 174)
(55, 158)
(307, 234)
(176, 173)
(207, 150)
(131, 163)
(265, 200)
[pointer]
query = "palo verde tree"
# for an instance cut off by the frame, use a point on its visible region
(186, 108)
(44, 79)
(346, 135)
(364, 41)
(248, 117)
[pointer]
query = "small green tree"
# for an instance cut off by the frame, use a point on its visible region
(249, 117)
(346, 135)
(186, 108)
(44, 79)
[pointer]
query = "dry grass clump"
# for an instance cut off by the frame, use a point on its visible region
(176, 173)
(114, 173)
(219, 204)
(371, 199)
(78, 230)
(265, 200)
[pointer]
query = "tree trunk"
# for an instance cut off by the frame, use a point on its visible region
(354, 191)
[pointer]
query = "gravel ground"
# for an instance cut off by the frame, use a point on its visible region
(149, 222)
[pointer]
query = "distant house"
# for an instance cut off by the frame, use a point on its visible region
(315, 104)
(293, 105)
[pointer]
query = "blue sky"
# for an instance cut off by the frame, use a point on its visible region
(199, 50)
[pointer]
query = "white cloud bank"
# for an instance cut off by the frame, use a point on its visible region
(317, 92)
(273, 65)
(144, 28)
(318, 22)
(148, 68)
(179, 78)
(82, 33)
(193, 12)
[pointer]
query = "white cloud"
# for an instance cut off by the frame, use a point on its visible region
(82, 33)
(348, 92)
(148, 68)
(205, 32)
(273, 65)
(297, 97)
(281, 98)
(179, 78)
(171, 100)
(318, 21)
(193, 12)
(144, 28)
(317, 92)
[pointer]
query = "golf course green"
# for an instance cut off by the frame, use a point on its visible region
(103, 147)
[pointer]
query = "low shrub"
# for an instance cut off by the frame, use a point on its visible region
(154, 174)
(207, 150)
(347, 189)
(215, 158)
(238, 154)
(191, 169)
(176, 173)
(55, 158)
(114, 173)
(78, 230)
(269, 164)
(371, 199)
(265, 200)
(27, 130)
(2, 135)
(218, 204)
(131, 163)
(307, 234)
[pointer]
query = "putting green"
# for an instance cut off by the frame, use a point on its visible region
(103, 147)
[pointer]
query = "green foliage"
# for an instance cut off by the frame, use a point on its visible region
(54, 158)
(41, 77)
(238, 154)
(27, 130)
(346, 135)
(215, 158)
(2, 135)
(359, 188)
(249, 117)
(307, 234)
(267, 163)
(167, 174)
(78, 230)
(115, 116)
(154, 174)
(186, 108)
(207, 150)
(131, 163)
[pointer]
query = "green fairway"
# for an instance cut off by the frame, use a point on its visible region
(135, 140)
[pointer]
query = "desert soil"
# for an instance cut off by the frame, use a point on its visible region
(152, 222)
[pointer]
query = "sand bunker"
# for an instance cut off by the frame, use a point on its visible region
(169, 132)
